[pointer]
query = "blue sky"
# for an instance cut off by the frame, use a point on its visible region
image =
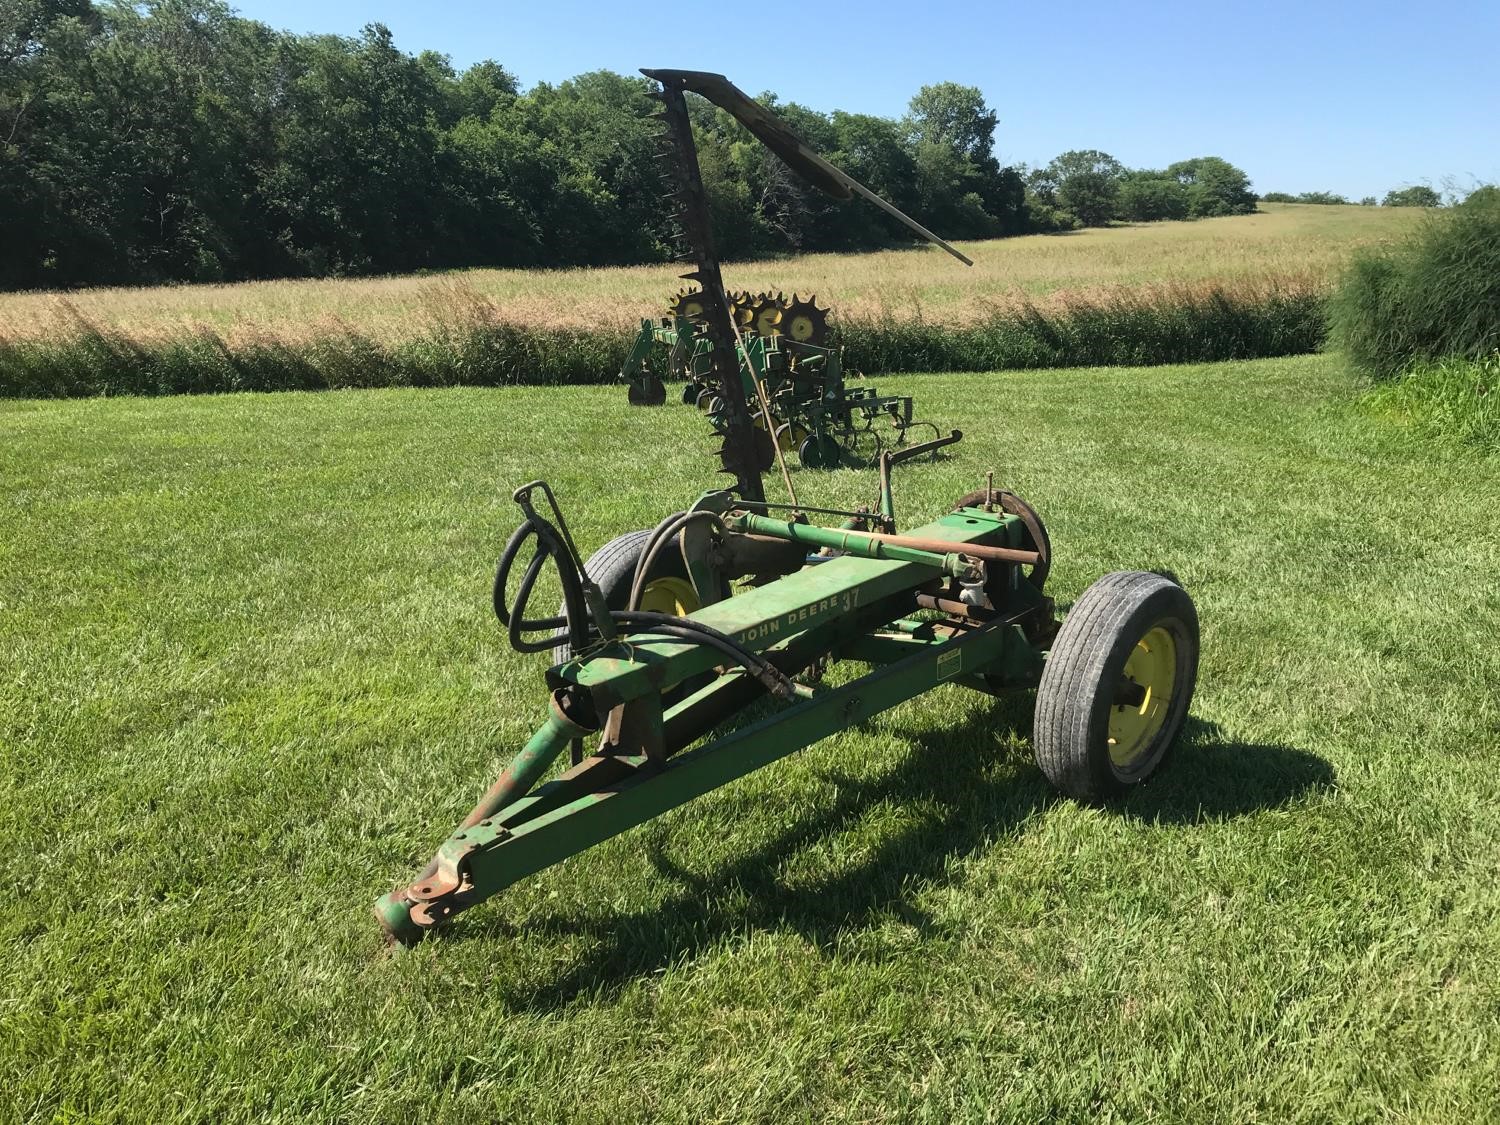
(1344, 97)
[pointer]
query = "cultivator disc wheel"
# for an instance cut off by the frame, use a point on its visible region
(766, 314)
(804, 322)
(742, 308)
(650, 391)
(687, 304)
(819, 451)
(790, 436)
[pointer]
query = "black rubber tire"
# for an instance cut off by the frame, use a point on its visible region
(651, 391)
(1036, 538)
(612, 567)
(819, 451)
(1070, 731)
(690, 393)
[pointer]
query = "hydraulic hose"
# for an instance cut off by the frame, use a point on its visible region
(575, 619)
(660, 537)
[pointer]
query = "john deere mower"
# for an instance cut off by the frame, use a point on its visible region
(687, 655)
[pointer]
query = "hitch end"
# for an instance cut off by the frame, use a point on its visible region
(393, 912)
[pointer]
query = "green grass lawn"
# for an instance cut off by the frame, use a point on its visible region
(252, 680)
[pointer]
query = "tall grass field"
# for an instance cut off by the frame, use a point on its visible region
(252, 679)
(1236, 287)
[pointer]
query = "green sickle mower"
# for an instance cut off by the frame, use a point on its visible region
(656, 660)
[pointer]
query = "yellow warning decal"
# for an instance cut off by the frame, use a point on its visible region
(950, 664)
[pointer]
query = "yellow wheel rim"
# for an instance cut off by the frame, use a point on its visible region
(765, 321)
(800, 328)
(1151, 666)
(789, 437)
(669, 595)
(691, 310)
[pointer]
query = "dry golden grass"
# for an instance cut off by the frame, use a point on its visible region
(1287, 245)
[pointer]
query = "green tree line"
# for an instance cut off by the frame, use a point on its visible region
(171, 140)
(1418, 195)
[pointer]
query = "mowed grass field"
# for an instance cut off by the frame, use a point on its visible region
(253, 680)
(1293, 246)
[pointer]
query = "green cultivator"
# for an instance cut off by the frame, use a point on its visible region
(786, 352)
(779, 355)
(668, 682)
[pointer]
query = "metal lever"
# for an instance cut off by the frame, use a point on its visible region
(895, 457)
(592, 595)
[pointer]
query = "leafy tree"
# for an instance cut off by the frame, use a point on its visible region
(1147, 196)
(173, 140)
(479, 92)
(1214, 187)
(1486, 195)
(1083, 182)
(954, 117)
(1419, 195)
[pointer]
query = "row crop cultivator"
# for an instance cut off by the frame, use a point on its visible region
(788, 354)
(657, 658)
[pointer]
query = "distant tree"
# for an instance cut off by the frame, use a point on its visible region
(1084, 183)
(1147, 196)
(1327, 198)
(1486, 195)
(1367, 201)
(172, 140)
(1278, 197)
(1214, 186)
(955, 117)
(1418, 195)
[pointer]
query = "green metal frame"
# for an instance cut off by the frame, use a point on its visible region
(859, 605)
(804, 383)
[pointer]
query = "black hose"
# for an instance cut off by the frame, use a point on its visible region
(575, 609)
(696, 632)
(660, 536)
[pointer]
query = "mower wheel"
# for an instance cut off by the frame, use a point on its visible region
(1035, 538)
(690, 393)
(1116, 687)
(650, 391)
(612, 567)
